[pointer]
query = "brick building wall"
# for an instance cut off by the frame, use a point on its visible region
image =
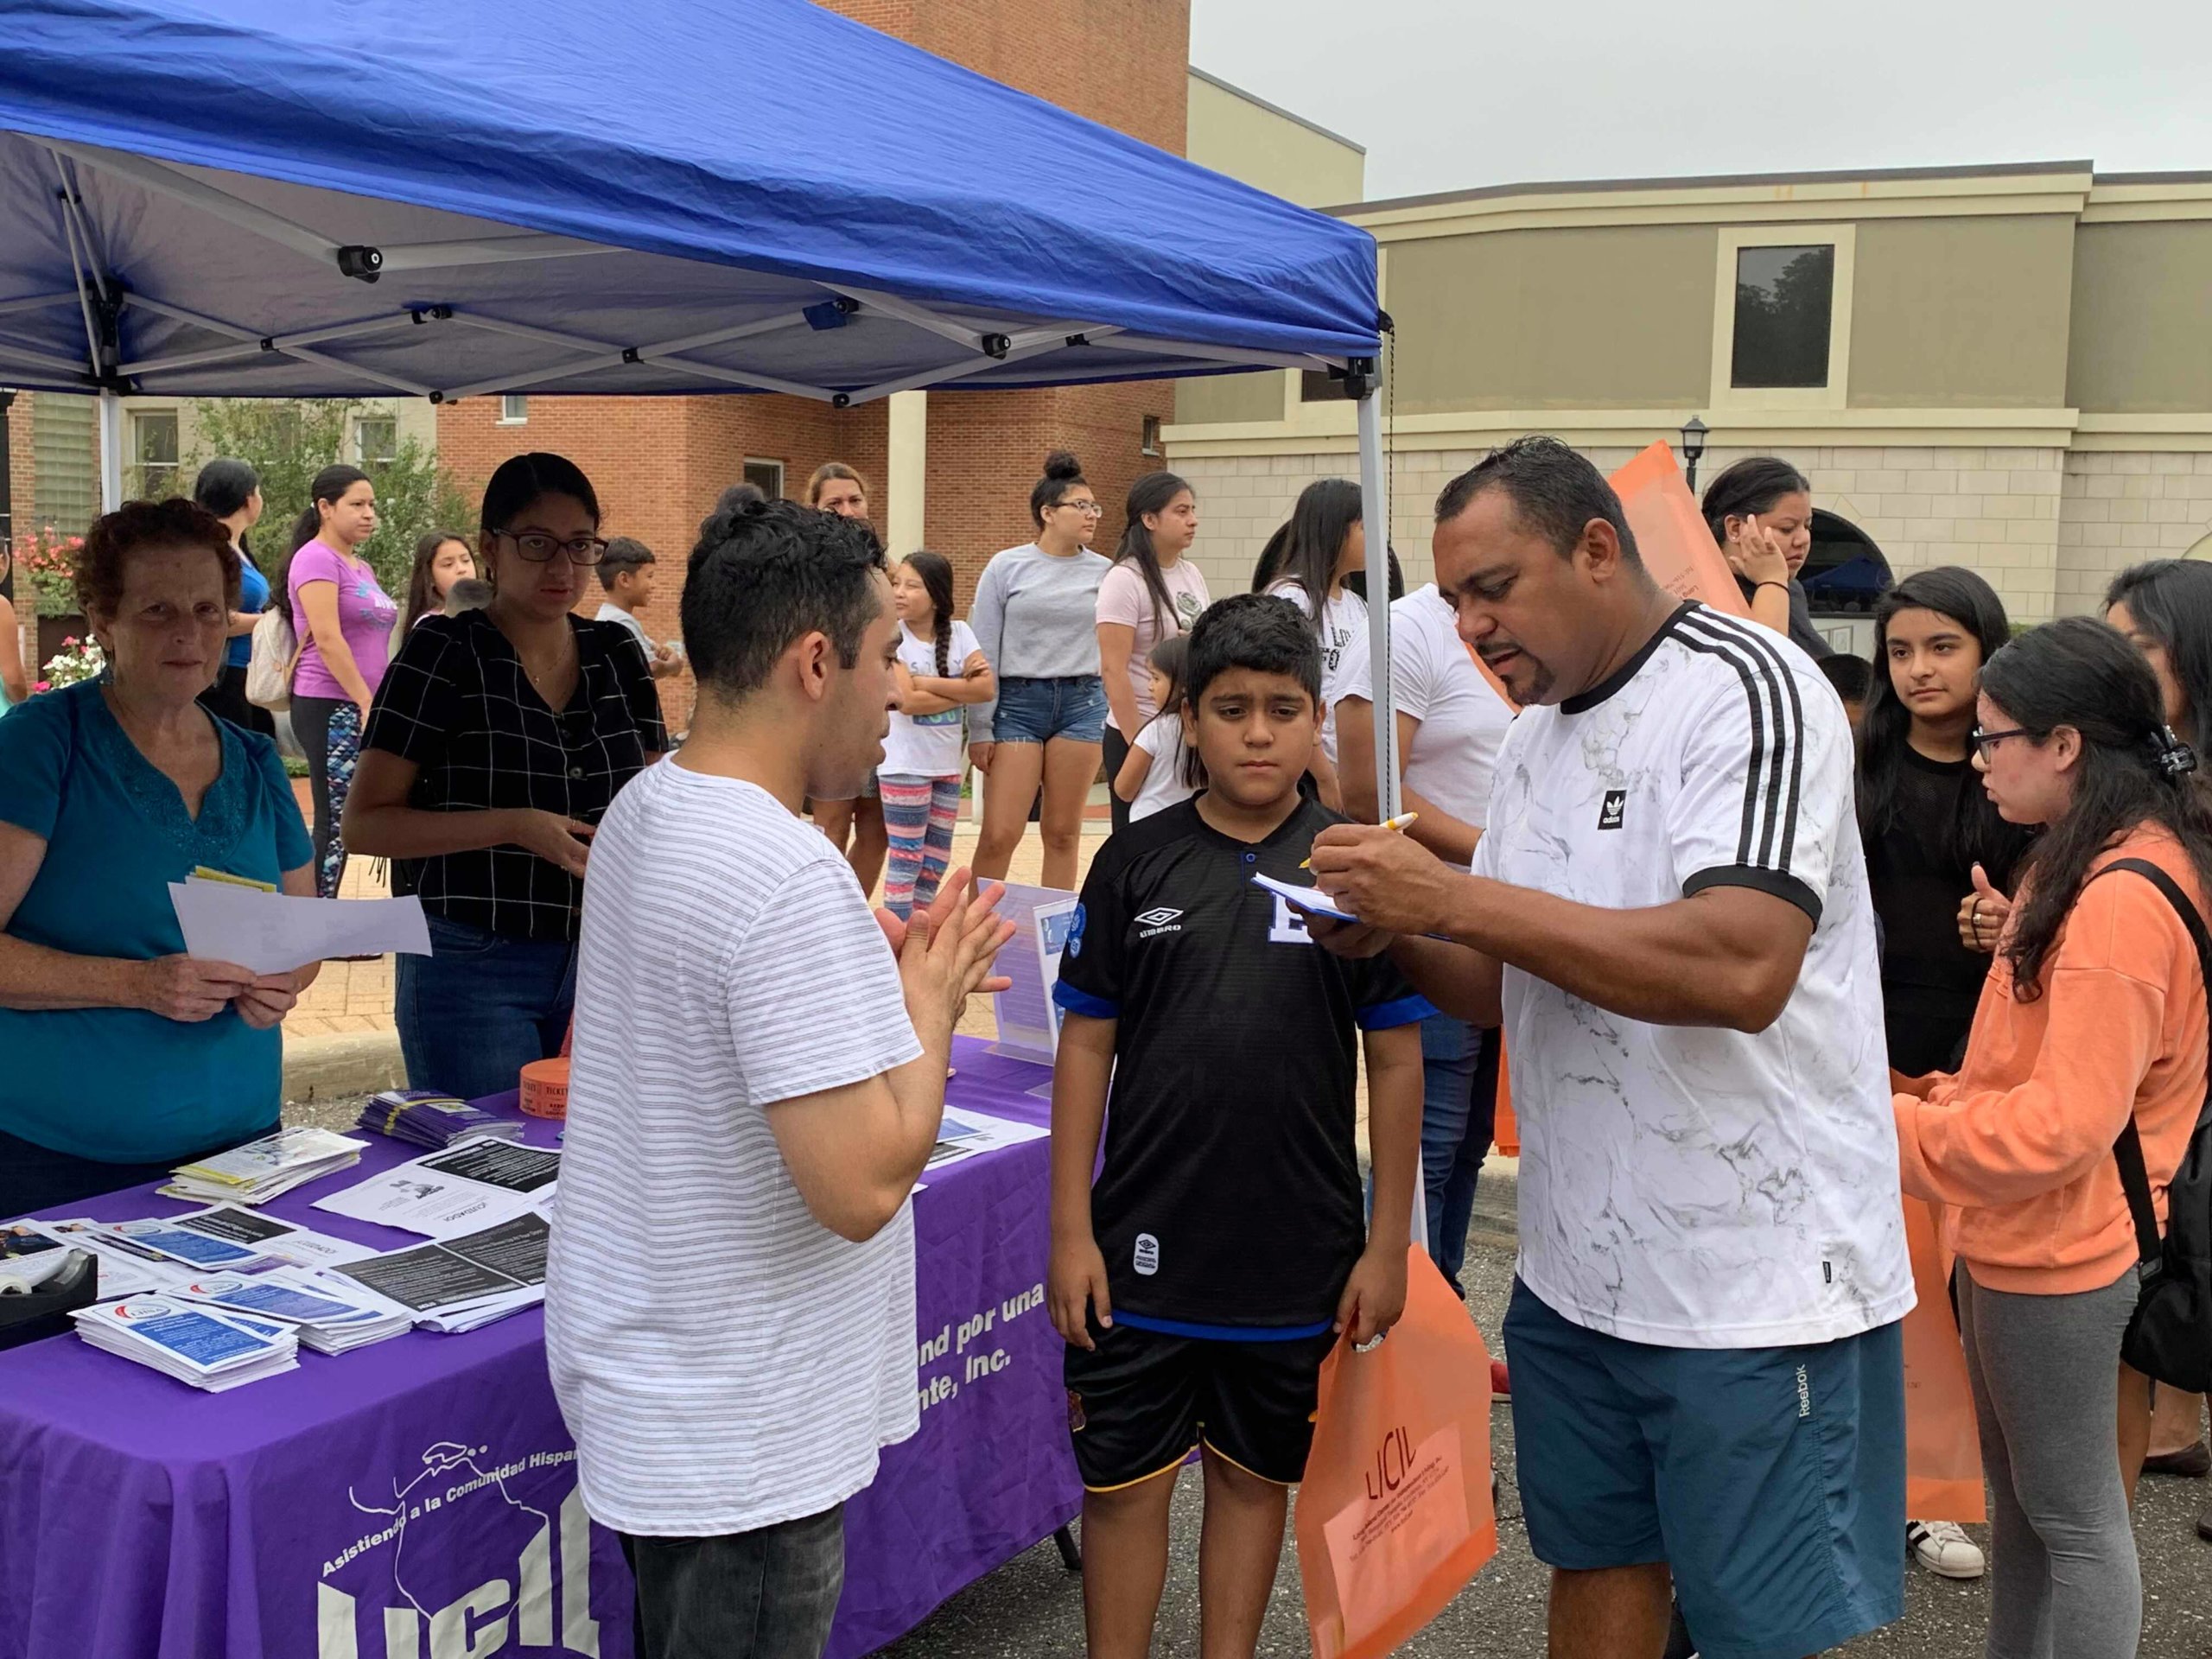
(658, 463)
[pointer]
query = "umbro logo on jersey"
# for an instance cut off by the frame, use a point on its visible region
(1159, 918)
(1609, 812)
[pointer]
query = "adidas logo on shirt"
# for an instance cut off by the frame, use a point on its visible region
(1610, 809)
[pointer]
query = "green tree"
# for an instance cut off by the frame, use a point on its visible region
(289, 440)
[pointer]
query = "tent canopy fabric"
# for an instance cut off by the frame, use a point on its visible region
(666, 196)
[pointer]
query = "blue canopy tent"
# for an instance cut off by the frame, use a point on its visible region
(296, 198)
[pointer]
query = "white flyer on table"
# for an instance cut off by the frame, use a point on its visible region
(274, 932)
(419, 1200)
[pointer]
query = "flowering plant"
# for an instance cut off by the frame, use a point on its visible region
(50, 561)
(78, 659)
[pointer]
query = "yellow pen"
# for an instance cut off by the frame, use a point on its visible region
(1396, 826)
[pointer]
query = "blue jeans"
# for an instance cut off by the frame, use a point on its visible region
(480, 1008)
(1458, 1112)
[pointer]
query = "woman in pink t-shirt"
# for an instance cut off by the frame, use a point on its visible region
(1154, 591)
(343, 619)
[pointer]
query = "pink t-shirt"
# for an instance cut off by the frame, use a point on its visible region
(365, 616)
(1123, 598)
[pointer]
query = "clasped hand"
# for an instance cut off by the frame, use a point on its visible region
(189, 989)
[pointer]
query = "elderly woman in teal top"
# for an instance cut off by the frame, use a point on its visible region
(120, 1055)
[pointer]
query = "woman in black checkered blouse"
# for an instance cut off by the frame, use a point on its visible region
(497, 741)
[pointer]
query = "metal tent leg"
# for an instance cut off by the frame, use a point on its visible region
(110, 452)
(1375, 513)
(1070, 1552)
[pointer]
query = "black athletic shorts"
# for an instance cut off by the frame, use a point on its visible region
(1142, 1399)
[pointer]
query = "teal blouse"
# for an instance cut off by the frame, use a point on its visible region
(122, 1085)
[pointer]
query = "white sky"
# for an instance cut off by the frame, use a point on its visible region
(1452, 94)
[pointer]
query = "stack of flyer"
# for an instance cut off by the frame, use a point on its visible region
(331, 1315)
(203, 1346)
(427, 1118)
(471, 1186)
(263, 1169)
(463, 1282)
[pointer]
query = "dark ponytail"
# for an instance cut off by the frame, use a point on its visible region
(1150, 494)
(329, 485)
(1314, 540)
(2079, 673)
(1751, 486)
(1062, 472)
(224, 487)
(2171, 601)
(936, 572)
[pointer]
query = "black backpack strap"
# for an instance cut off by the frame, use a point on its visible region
(2127, 1150)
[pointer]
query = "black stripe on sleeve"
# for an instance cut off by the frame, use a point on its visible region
(1768, 646)
(1773, 785)
(1780, 883)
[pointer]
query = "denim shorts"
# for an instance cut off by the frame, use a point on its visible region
(1037, 711)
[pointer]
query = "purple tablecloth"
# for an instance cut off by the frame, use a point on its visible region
(417, 1499)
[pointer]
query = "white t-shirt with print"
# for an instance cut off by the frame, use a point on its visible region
(1123, 598)
(1692, 1187)
(1163, 786)
(1462, 718)
(1343, 649)
(929, 745)
(724, 1361)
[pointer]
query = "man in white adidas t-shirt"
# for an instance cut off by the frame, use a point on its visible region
(729, 1312)
(1669, 907)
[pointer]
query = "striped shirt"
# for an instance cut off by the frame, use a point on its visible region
(724, 1361)
(1699, 1187)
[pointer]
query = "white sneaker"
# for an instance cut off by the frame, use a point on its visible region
(1944, 1549)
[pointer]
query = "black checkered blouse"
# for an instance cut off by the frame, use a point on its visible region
(456, 703)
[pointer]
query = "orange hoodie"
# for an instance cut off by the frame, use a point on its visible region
(2020, 1140)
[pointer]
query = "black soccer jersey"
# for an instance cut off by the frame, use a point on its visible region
(1229, 1194)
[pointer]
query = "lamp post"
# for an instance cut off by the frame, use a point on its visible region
(1693, 432)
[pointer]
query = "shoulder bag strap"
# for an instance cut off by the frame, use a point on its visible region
(2127, 1150)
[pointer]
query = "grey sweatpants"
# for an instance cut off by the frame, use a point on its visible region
(2045, 1371)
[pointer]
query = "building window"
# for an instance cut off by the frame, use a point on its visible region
(1782, 316)
(154, 454)
(1150, 443)
(766, 476)
(1785, 300)
(514, 408)
(376, 437)
(1319, 386)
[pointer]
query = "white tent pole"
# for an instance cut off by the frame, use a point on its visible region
(1375, 514)
(110, 452)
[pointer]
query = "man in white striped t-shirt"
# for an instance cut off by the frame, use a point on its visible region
(1669, 907)
(756, 1083)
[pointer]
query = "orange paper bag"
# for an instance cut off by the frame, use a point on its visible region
(1505, 1133)
(1393, 1515)
(1942, 1452)
(1670, 532)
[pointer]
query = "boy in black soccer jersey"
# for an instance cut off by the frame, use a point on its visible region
(1201, 1280)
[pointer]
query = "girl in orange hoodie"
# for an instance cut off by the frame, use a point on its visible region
(2093, 1012)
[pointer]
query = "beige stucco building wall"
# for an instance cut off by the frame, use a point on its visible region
(2020, 379)
(1236, 133)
